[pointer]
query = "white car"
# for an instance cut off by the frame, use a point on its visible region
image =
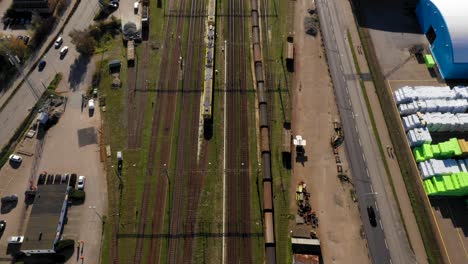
(16, 158)
(63, 51)
(58, 42)
(15, 239)
(91, 104)
(81, 182)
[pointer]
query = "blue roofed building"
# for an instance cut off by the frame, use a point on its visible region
(445, 24)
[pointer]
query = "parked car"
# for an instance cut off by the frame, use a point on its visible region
(91, 104)
(15, 239)
(81, 182)
(2, 225)
(371, 213)
(10, 198)
(63, 51)
(58, 42)
(16, 158)
(41, 65)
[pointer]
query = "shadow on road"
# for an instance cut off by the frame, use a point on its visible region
(78, 71)
(388, 15)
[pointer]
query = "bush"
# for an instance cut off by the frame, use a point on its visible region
(63, 244)
(77, 195)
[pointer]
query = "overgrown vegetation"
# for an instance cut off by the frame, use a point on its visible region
(86, 41)
(55, 82)
(63, 244)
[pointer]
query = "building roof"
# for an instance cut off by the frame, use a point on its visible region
(46, 219)
(455, 15)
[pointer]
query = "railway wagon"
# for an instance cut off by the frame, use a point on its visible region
(131, 52)
(269, 229)
(270, 254)
(266, 166)
(261, 93)
(263, 115)
(265, 140)
(267, 197)
(254, 18)
(257, 52)
(259, 72)
(209, 71)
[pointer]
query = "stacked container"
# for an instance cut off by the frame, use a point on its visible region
(418, 136)
(455, 184)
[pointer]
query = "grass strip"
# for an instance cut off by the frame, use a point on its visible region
(376, 132)
(55, 82)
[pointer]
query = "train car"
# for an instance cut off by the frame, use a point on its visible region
(130, 52)
(208, 82)
(265, 140)
(266, 166)
(270, 254)
(269, 229)
(267, 198)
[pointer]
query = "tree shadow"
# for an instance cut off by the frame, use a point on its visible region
(78, 71)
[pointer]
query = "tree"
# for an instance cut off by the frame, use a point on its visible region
(83, 41)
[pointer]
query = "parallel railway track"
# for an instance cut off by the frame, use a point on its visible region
(239, 247)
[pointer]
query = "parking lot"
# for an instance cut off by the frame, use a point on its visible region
(66, 149)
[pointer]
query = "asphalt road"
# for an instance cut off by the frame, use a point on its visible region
(387, 241)
(73, 71)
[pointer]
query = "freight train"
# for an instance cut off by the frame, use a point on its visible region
(268, 211)
(207, 98)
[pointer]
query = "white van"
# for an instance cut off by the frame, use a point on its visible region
(91, 104)
(63, 51)
(135, 7)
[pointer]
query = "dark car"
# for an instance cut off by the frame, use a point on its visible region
(10, 198)
(2, 225)
(371, 213)
(41, 65)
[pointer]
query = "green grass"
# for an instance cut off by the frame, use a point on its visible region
(409, 172)
(55, 82)
(376, 133)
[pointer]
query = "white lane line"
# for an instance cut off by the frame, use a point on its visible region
(367, 172)
(224, 154)
(371, 188)
(355, 127)
(363, 157)
(381, 227)
(359, 139)
(376, 207)
(386, 245)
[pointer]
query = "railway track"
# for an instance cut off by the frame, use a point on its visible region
(163, 111)
(187, 179)
(237, 149)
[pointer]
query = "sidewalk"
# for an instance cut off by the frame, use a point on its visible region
(400, 189)
(30, 63)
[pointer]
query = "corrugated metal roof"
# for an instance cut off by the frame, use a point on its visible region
(455, 15)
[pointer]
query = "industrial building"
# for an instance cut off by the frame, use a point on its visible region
(445, 24)
(46, 220)
(40, 6)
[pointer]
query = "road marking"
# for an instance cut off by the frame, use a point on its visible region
(224, 153)
(391, 261)
(363, 158)
(359, 139)
(367, 172)
(371, 188)
(355, 127)
(385, 240)
(376, 207)
(381, 227)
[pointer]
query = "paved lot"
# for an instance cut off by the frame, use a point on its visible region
(314, 110)
(84, 223)
(392, 30)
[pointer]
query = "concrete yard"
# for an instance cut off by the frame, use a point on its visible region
(314, 110)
